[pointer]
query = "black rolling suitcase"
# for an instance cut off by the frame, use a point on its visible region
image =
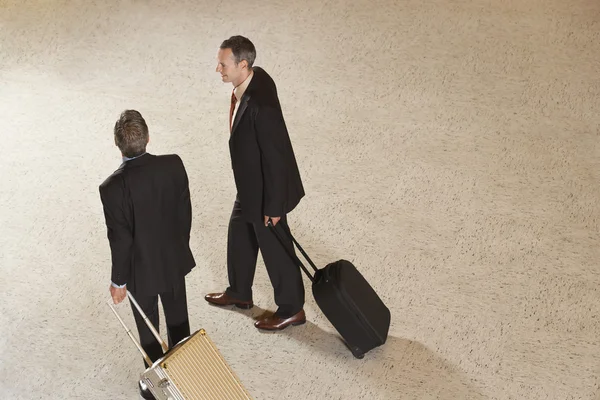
(347, 300)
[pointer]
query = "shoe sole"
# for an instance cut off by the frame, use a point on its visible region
(283, 327)
(238, 305)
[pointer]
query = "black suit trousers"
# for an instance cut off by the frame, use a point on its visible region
(174, 304)
(244, 241)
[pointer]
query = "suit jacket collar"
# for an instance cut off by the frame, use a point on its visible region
(136, 162)
(254, 83)
(241, 110)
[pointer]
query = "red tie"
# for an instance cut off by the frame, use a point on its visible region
(233, 101)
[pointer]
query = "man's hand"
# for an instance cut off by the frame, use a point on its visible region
(274, 219)
(118, 294)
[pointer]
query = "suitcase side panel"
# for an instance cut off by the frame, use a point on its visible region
(160, 385)
(194, 370)
(345, 309)
(366, 301)
(341, 317)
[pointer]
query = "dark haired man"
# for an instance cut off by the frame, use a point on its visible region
(148, 216)
(268, 188)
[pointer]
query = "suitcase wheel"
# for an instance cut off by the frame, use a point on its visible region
(356, 352)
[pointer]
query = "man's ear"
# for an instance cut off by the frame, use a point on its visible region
(244, 64)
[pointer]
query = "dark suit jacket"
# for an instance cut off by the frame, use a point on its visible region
(264, 165)
(149, 216)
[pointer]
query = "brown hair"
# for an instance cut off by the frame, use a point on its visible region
(131, 133)
(242, 49)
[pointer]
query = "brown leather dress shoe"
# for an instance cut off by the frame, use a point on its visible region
(222, 299)
(276, 323)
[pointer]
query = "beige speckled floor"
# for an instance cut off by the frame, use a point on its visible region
(449, 148)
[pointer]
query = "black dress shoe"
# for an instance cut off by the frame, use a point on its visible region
(145, 392)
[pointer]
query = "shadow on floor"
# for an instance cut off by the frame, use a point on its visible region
(400, 366)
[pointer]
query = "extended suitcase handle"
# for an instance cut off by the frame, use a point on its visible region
(138, 345)
(292, 255)
(164, 345)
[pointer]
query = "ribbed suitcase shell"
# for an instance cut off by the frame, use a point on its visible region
(194, 370)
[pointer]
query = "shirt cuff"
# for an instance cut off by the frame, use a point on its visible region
(117, 286)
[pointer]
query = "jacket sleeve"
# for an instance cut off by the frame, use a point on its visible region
(119, 233)
(272, 138)
(185, 204)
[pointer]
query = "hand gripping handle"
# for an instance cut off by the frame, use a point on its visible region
(292, 255)
(164, 345)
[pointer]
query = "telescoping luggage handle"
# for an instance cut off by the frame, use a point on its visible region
(164, 345)
(292, 255)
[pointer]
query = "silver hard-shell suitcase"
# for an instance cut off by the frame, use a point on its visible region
(193, 369)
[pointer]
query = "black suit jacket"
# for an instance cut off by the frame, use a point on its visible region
(148, 217)
(264, 165)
